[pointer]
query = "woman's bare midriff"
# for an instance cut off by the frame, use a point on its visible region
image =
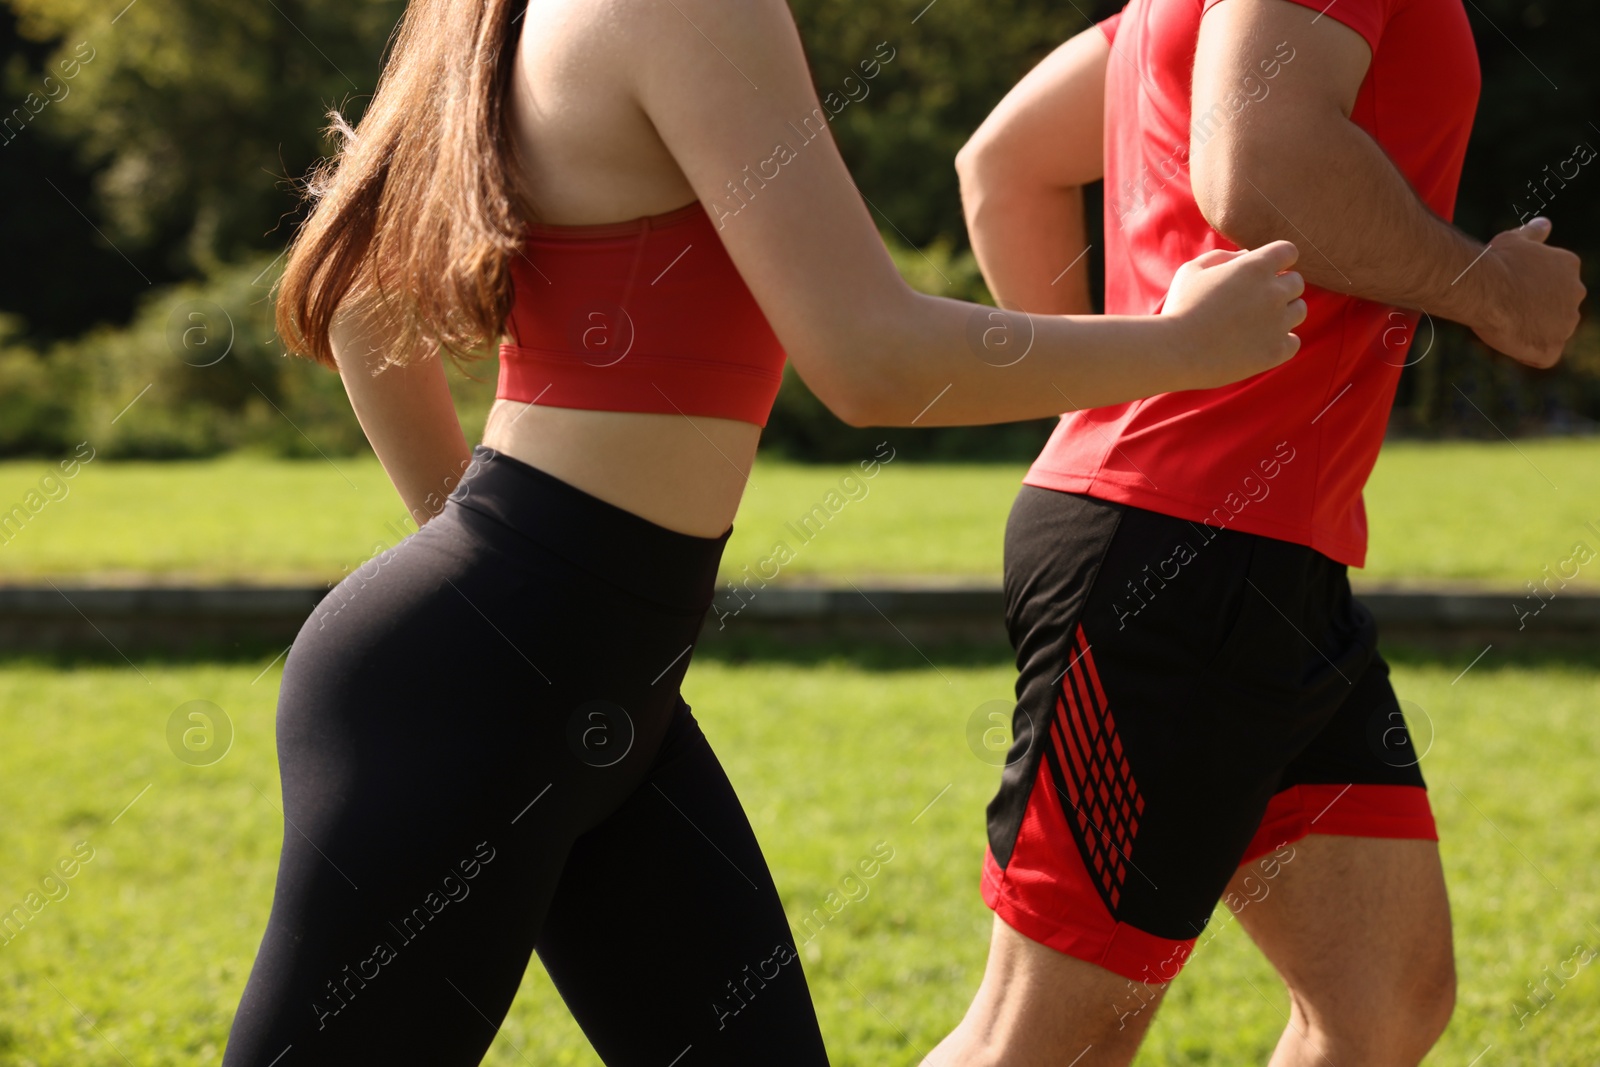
(684, 473)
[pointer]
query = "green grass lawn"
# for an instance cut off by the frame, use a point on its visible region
(1473, 512)
(832, 753)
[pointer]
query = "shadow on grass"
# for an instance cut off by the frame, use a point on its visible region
(1573, 652)
(898, 654)
(893, 655)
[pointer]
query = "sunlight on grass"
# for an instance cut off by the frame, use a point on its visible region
(1472, 512)
(155, 936)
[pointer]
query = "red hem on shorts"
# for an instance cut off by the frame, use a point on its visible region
(1089, 933)
(1122, 949)
(1392, 811)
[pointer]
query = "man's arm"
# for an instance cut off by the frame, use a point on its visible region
(1022, 178)
(1295, 166)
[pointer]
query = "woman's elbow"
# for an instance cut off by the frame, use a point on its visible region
(857, 415)
(854, 403)
(846, 378)
(856, 354)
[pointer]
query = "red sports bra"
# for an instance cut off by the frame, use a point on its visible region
(648, 315)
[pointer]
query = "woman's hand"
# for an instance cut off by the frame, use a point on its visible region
(1236, 311)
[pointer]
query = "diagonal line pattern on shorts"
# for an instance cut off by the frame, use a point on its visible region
(1087, 759)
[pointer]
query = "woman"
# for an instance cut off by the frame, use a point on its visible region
(483, 747)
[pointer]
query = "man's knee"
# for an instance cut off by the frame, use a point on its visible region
(1394, 1023)
(1432, 1001)
(1423, 995)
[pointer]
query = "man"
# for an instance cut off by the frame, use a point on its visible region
(1202, 712)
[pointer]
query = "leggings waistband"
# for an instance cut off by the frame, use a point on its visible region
(677, 570)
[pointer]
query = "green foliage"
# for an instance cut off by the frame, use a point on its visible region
(183, 124)
(35, 399)
(954, 60)
(192, 113)
(199, 371)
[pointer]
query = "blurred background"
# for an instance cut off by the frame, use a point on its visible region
(151, 194)
(148, 158)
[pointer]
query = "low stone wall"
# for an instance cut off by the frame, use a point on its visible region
(64, 619)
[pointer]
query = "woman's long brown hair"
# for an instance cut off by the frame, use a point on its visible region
(416, 218)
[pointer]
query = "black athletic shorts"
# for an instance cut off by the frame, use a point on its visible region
(1190, 699)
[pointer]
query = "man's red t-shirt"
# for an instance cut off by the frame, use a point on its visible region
(1284, 454)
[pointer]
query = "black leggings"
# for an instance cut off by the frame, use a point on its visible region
(483, 753)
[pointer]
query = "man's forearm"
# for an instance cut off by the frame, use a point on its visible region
(1031, 246)
(1022, 179)
(1361, 228)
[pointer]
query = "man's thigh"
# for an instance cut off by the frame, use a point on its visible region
(1355, 925)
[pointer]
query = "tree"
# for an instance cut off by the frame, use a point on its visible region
(191, 114)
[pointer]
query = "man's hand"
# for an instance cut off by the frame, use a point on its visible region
(1538, 291)
(1295, 166)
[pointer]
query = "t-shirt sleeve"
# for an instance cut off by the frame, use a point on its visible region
(1366, 17)
(1109, 27)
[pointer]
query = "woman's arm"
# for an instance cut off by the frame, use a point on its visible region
(726, 86)
(406, 413)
